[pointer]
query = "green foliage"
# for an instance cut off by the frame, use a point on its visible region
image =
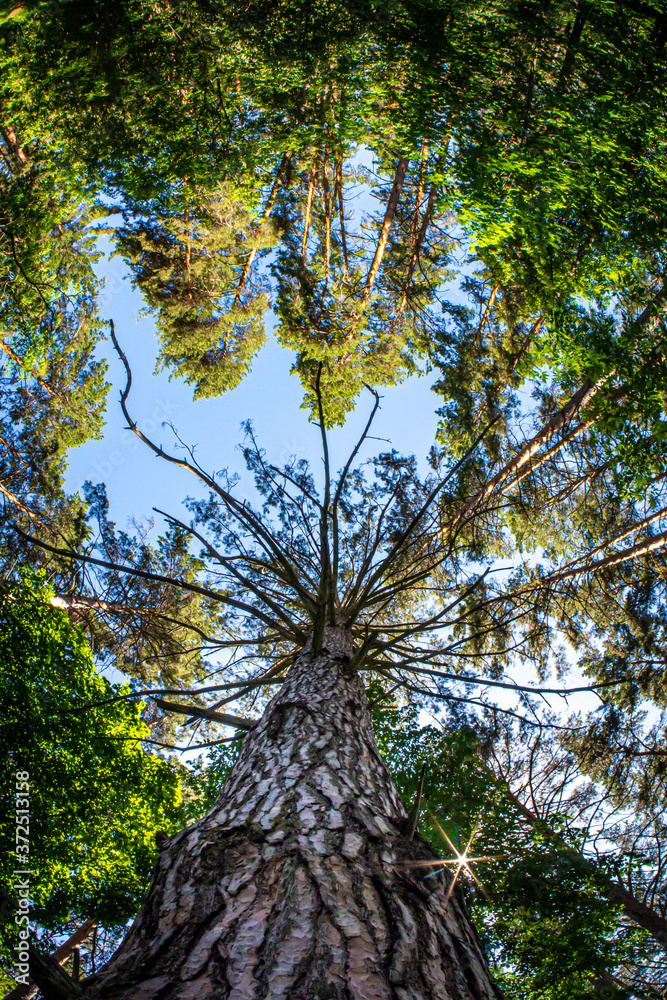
(97, 798)
(147, 629)
(49, 326)
(188, 263)
(203, 779)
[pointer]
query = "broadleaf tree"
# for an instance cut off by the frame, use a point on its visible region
(96, 799)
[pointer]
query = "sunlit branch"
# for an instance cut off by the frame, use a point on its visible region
(639, 549)
(539, 460)
(579, 400)
(15, 502)
(619, 538)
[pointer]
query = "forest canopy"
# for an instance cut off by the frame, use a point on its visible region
(461, 197)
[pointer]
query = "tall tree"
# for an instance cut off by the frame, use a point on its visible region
(500, 117)
(360, 577)
(193, 264)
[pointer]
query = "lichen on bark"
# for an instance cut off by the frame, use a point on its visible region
(301, 883)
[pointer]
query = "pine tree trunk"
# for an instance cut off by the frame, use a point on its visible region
(300, 883)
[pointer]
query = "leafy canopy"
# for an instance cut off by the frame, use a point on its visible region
(96, 797)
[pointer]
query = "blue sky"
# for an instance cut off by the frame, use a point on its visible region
(137, 481)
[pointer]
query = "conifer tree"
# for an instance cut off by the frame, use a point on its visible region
(192, 263)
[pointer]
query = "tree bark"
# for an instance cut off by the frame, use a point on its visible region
(301, 883)
(53, 981)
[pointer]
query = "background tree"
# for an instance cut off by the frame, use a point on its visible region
(191, 267)
(97, 799)
(539, 880)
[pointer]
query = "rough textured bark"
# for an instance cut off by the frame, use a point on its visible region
(53, 981)
(300, 883)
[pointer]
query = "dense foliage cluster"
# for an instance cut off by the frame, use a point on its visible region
(96, 797)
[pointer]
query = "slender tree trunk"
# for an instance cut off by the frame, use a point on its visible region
(188, 249)
(525, 344)
(341, 215)
(307, 211)
(572, 47)
(416, 251)
(489, 305)
(13, 145)
(390, 212)
(327, 221)
(265, 214)
(302, 883)
(527, 454)
(420, 188)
